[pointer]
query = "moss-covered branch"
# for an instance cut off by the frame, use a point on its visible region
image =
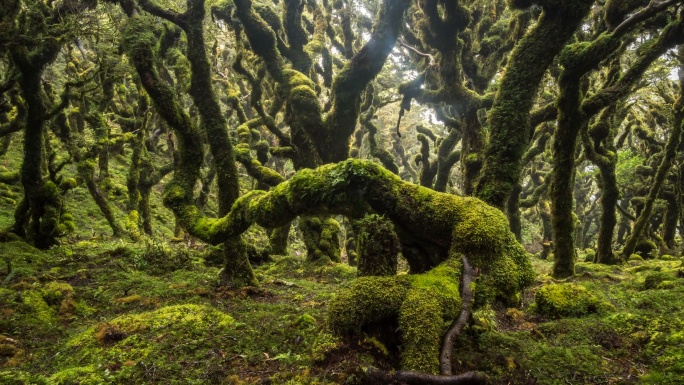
(450, 223)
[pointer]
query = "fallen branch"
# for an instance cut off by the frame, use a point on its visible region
(446, 378)
(415, 378)
(460, 322)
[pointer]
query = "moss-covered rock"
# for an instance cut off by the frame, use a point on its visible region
(647, 249)
(158, 339)
(567, 300)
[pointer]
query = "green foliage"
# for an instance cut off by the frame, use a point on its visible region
(158, 258)
(628, 160)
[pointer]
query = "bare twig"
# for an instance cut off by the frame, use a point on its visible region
(431, 59)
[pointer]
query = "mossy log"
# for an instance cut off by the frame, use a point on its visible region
(447, 222)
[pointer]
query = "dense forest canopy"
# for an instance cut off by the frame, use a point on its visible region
(437, 135)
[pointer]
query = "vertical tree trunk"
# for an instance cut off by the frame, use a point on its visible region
(563, 175)
(670, 220)
(670, 153)
(509, 121)
(608, 218)
(513, 212)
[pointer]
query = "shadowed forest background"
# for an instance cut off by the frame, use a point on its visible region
(341, 192)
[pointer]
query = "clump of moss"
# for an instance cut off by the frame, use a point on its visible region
(55, 292)
(367, 300)
(108, 333)
(668, 257)
(647, 249)
(179, 341)
(567, 300)
(655, 279)
(504, 278)
(41, 311)
(589, 255)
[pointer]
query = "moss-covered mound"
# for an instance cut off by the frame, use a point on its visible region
(567, 300)
(421, 304)
(175, 343)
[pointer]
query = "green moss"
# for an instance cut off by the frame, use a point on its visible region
(321, 237)
(160, 338)
(22, 378)
(422, 329)
(54, 292)
(668, 257)
(40, 309)
(655, 279)
(377, 246)
(367, 300)
(85, 375)
(647, 249)
(421, 304)
(589, 255)
(68, 184)
(567, 300)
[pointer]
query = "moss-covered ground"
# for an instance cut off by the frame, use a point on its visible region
(97, 310)
(100, 312)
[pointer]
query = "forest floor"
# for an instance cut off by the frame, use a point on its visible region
(97, 310)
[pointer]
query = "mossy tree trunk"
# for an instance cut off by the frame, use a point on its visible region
(663, 169)
(601, 151)
(377, 246)
(574, 113)
(443, 222)
(37, 216)
(237, 270)
(509, 118)
(670, 220)
(563, 177)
